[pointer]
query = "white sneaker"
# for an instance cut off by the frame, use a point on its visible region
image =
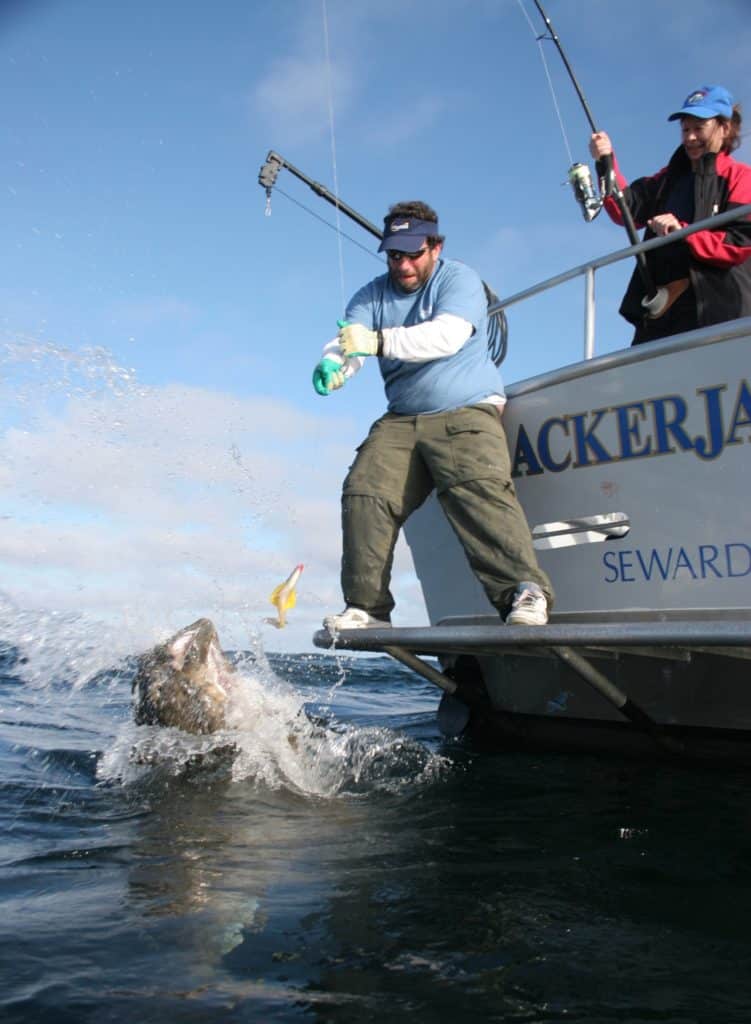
(529, 607)
(353, 618)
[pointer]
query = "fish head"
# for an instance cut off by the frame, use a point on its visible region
(195, 648)
(183, 681)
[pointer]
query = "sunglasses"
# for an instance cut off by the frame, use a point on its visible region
(396, 255)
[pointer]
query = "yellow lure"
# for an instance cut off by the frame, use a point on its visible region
(284, 597)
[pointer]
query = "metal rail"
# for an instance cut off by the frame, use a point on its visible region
(587, 270)
(499, 638)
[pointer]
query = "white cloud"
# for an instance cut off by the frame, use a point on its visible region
(410, 122)
(294, 95)
(158, 505)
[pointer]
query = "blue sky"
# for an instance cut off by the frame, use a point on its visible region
(162, 452)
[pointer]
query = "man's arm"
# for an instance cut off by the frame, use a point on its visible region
(459, 306)
(433, 339)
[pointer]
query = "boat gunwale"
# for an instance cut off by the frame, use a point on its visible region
(730, 330)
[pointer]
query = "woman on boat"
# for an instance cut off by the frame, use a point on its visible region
(706, 276)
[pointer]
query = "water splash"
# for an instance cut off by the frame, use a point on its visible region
(32, 369)
(58, 648)
(272, 743)
(112, 496)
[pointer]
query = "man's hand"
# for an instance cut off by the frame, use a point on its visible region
(328, 376)
(356, 340)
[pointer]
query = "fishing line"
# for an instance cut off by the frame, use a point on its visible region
(581, 182)
(332, 132)
(328, 223)
(539, 41)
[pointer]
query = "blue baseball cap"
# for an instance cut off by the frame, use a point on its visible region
(407, 233)
(709, 101)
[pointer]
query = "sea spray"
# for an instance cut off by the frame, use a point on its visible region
(151, 504)
(272, 742)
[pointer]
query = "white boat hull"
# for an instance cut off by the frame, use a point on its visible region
(688, 547)
(633, 472)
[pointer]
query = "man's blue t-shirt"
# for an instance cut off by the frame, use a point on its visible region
(448, 382)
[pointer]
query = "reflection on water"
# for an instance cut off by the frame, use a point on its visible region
(365, 869)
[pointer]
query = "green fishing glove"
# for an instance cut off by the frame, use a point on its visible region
(356, 340)
(328, 376)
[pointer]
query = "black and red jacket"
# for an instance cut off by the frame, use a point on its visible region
(718, 263)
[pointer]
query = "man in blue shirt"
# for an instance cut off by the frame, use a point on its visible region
(426, 322)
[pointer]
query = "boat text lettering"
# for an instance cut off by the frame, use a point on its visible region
(636, 430)
(707, 561)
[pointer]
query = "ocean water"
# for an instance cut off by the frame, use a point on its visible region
(332, 858)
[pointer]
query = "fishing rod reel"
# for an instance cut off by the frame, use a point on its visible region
(579, 176)
(580, 179)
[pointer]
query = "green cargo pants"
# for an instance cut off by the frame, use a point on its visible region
(463, 454)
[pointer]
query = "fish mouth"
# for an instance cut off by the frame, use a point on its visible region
(185, 682)
(206, 658)
(195, 644)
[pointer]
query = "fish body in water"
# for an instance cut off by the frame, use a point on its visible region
(184, 682)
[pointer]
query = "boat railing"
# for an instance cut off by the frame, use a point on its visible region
(587, 270)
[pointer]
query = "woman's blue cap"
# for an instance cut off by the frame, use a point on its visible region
(709, 101)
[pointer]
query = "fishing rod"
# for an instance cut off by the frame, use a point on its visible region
(269, 172)
(581, 180)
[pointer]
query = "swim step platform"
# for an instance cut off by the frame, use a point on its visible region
(730, 637)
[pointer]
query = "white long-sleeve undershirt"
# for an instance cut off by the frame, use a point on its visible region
(433, 339)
